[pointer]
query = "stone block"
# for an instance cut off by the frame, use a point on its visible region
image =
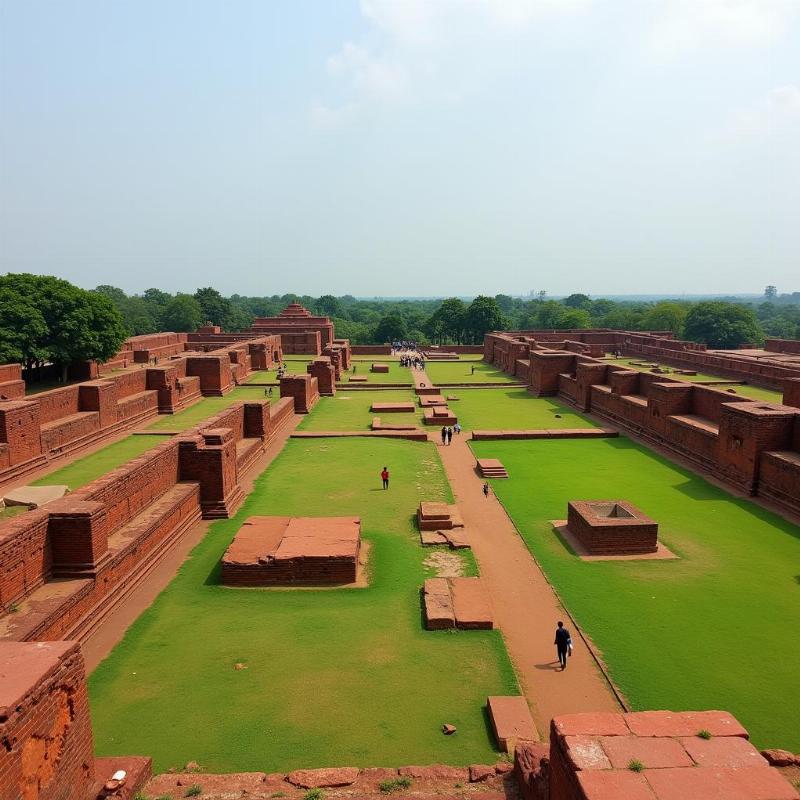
(511, 721)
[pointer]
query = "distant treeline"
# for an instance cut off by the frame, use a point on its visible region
(718, 323)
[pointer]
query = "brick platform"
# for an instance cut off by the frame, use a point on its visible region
(293, 551)
(456, 603)
(381, 368)
(592, 758)
(543, 433)
(612, 527)
(429, 400)
(393, 408)
(436, 516)
(511, 721)
(439, 415)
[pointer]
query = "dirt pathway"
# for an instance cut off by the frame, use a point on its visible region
(111, 630)
(526, 608)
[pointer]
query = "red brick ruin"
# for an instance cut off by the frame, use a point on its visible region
(751, 445)
(65, 566)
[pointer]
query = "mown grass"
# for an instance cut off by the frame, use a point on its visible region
(349, 411)
(442, 372)
(710, 630)
(207, 407)
(511, 409)
(338, 676)
(85, 470)
(746, 390)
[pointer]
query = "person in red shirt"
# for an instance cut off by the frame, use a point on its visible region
(385, 477)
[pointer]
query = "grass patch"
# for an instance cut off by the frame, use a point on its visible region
(461, 372)
(688, 634)
(634, 765)
(349, 411)
(338, 676)
(512, 409)
(207, 407)
(85, 470)
(6, 512)
(396, 785)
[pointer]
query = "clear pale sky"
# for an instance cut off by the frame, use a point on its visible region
(402, 147)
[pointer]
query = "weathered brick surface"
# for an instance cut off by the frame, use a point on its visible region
(44, 723)
(303, 388)
(591, 754)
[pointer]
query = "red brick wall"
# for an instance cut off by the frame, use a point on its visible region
(24, 556)
(303, 388)
(58, 403)
(61, 433)
(20, 430)
(45, 723)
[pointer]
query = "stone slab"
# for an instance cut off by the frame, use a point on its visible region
(439, 613)
(471, 604)
(34, 496)
(511, 721)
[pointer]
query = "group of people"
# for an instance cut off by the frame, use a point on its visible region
(412, 362)
(403, 345)
(448, 431)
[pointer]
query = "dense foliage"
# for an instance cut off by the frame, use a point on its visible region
(45, 320)
(718, 323)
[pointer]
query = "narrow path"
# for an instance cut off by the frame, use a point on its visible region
(111, 630)
(525, 607)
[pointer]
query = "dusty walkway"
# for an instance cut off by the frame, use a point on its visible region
(525, 606)
(111, 630)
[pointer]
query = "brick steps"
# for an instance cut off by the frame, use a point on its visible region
(415, 435)
(491, 468)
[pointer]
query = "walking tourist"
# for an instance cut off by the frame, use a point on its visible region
(457, 428)
(444, 435)
(449, 434)
(486, 490)
(563, 644)
(385, 477)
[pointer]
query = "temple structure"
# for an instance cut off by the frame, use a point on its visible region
(300, 331)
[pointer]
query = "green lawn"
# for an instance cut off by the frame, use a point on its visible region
(85, 470)
(207, 407)
(349, 411)
(712, 630)
(461, 372)
(511, 409)
(756, 392)
(396, 373)
(342, 676)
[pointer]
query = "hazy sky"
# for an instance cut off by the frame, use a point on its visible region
(402, 146)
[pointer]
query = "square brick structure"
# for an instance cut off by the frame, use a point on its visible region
(591, 757)
(382, 368)
(612, 527)
(293, 551)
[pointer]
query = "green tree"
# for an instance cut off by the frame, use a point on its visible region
(578, 301)
(328, 306)
(182, 314)
(722, 325)
(448, 322)
(549, 314)
(665, 316)
(23, 330)
(138, 316)
(576, 318)
(215, 308)
(483, 315)
(79, 325)
(391, 328)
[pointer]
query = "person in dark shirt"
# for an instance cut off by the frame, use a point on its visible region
(563, 643)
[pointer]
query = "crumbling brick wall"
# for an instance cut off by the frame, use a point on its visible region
(44, 723)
